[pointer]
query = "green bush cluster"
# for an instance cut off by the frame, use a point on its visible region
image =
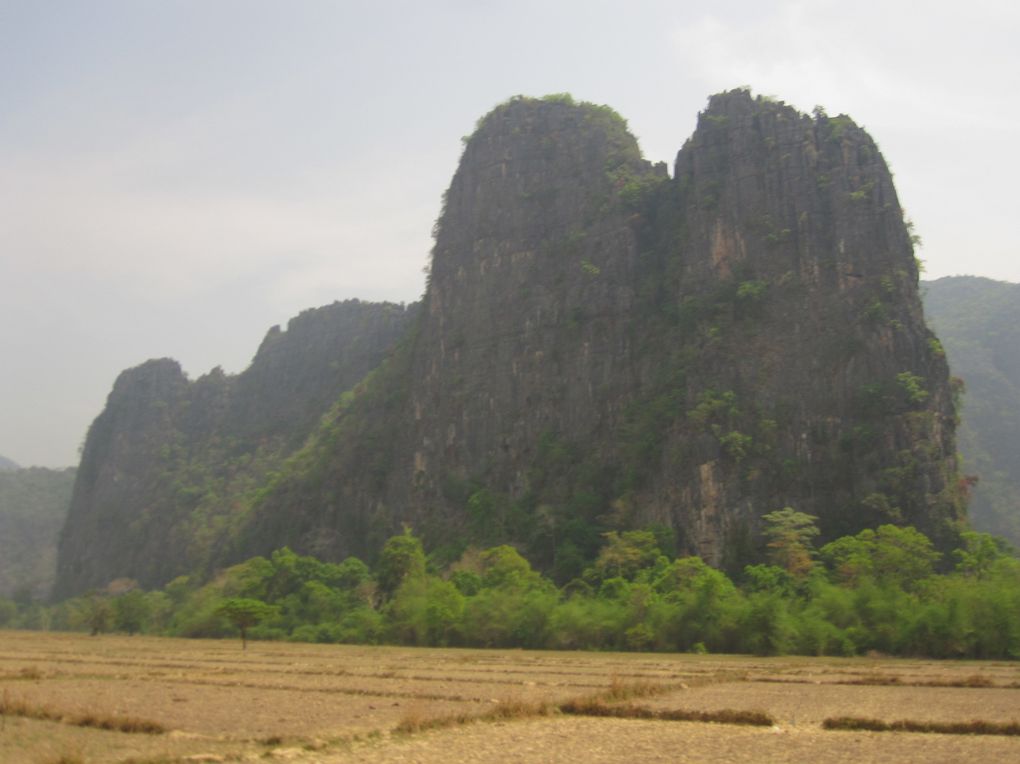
(876, 591)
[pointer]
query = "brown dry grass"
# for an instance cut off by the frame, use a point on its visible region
(975, 727)
(130, 724)
(809, 704)
(974, 680)
(567, 740)
(322, 702)
(417, 721)
(721, 716)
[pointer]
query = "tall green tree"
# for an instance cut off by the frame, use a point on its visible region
(889, 555)
(245, 613)
(791, 537)
(402, 557)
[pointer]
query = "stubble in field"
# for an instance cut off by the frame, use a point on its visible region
(215, 702)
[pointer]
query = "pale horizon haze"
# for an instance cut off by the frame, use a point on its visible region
(178, 176)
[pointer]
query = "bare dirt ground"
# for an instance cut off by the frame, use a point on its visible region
(336, 703)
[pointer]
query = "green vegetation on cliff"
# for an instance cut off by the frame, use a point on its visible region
(978, 322)
(172, 466)
(33, 508)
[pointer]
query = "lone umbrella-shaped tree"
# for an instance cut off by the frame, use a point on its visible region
(245, 613)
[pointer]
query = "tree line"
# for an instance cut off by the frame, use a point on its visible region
(886, 590)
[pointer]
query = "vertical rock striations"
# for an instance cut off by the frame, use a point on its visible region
(812, 379)
(604, 347)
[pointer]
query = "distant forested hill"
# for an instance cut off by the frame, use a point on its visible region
(33, 505)
(6, 464)
(978, 322)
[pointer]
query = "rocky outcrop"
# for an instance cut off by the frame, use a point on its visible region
(604, 347)
(167, 466)
(601, 346)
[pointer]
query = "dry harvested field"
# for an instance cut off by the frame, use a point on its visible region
(73, 698)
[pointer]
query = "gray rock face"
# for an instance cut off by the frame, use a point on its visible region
(602, 347)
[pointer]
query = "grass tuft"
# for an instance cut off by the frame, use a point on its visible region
(889, 680)
(415, 720)
(596, 707)
(976, 680)
(975, 727)
(620, 689)
(129, 724)
(623, 690)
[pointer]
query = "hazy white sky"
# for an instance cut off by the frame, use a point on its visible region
(176, 176)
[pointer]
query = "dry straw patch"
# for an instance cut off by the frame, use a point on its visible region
(810, 704)
(18, 707)
(417, 721)
(324, 700)
(629, 711)
(893, 680)
(975, 727)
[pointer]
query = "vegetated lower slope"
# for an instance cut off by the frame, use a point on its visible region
(600, 347)
(33, 507)
(168, 467)
(978, 321)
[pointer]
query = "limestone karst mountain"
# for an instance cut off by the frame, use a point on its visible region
(600, 346)
(171, 464)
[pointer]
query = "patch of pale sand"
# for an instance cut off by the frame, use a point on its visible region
(233, 712)
(609, 741)
(801, 704)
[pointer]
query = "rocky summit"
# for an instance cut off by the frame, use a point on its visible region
(602, 345)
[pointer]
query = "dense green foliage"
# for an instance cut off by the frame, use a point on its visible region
(33, 505)
(978, 323)
(875, 591)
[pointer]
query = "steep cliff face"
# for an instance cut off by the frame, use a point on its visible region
(530, 333)
(604, 347)
(168, 466)
(601, 347)
(812, 380)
